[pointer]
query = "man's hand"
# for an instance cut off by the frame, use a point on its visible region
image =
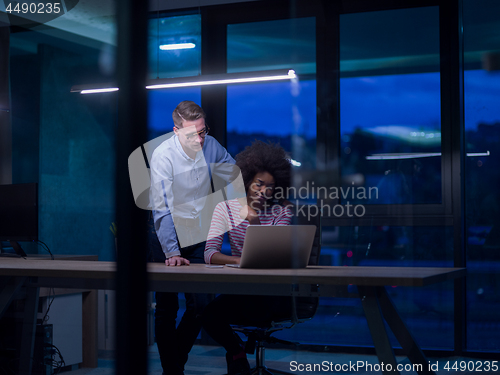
(176, 261)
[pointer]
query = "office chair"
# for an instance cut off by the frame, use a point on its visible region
(303, 309)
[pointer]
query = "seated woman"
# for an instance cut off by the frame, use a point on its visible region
(266, 175)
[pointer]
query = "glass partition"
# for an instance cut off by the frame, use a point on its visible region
(66, 141)
(482, 134)
(390, 139)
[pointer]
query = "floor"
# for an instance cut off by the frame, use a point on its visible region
(210, 360)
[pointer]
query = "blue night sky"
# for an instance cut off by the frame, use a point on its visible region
(482, 98)
(162, 103)
(283, 108)
(411, 100)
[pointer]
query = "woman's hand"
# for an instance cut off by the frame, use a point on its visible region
(248, 213)
(219, 258)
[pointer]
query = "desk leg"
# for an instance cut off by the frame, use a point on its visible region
(400, 330)
(89, 329)
(12, 286)
(28, 330)
(383, 348)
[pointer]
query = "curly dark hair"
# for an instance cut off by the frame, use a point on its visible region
(265, 157)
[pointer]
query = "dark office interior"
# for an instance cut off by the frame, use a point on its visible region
(392, 126)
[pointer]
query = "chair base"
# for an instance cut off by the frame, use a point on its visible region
(260, 367)
(267, 371)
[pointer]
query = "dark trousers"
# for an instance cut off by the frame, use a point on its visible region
(174, 343)
(242, 310)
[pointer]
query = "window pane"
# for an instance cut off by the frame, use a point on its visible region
(390, 105)
(417, 246)
(283, 113)
(282, 44)
(482, 136)
(280, 112)
(414, 246)
(161, 104)
(427, 311)
(166, 32)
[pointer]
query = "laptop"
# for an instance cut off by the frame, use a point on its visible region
(277, 246)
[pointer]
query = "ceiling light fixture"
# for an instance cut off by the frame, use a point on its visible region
(97, 91)
(203, 80)
(417, 155)
(221, 79)
(170, 47)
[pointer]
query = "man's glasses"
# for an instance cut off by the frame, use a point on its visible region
(202, 133)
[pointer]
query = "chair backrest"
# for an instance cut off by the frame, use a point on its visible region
(304, 216)
(306, 307)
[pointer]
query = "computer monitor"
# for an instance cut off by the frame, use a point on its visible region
(18, 213)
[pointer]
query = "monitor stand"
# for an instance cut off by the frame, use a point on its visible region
(9, 255)
(17, 248)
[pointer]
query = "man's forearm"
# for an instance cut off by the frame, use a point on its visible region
(167, 235)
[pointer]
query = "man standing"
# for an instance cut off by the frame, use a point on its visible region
(181, 178)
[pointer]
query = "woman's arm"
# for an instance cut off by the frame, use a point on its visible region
(219, 258)
(284, 217)
(218, 227)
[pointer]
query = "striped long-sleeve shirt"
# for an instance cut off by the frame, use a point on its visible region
(223, 221)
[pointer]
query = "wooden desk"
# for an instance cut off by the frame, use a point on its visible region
(313, 281)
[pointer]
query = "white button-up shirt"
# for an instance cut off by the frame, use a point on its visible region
(180, 185)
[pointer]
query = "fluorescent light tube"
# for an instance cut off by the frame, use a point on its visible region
(97, 91)
(170, 47)
(416, 155)
(487, 153)
(203, 80)
(394, 156)
(223, 81)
